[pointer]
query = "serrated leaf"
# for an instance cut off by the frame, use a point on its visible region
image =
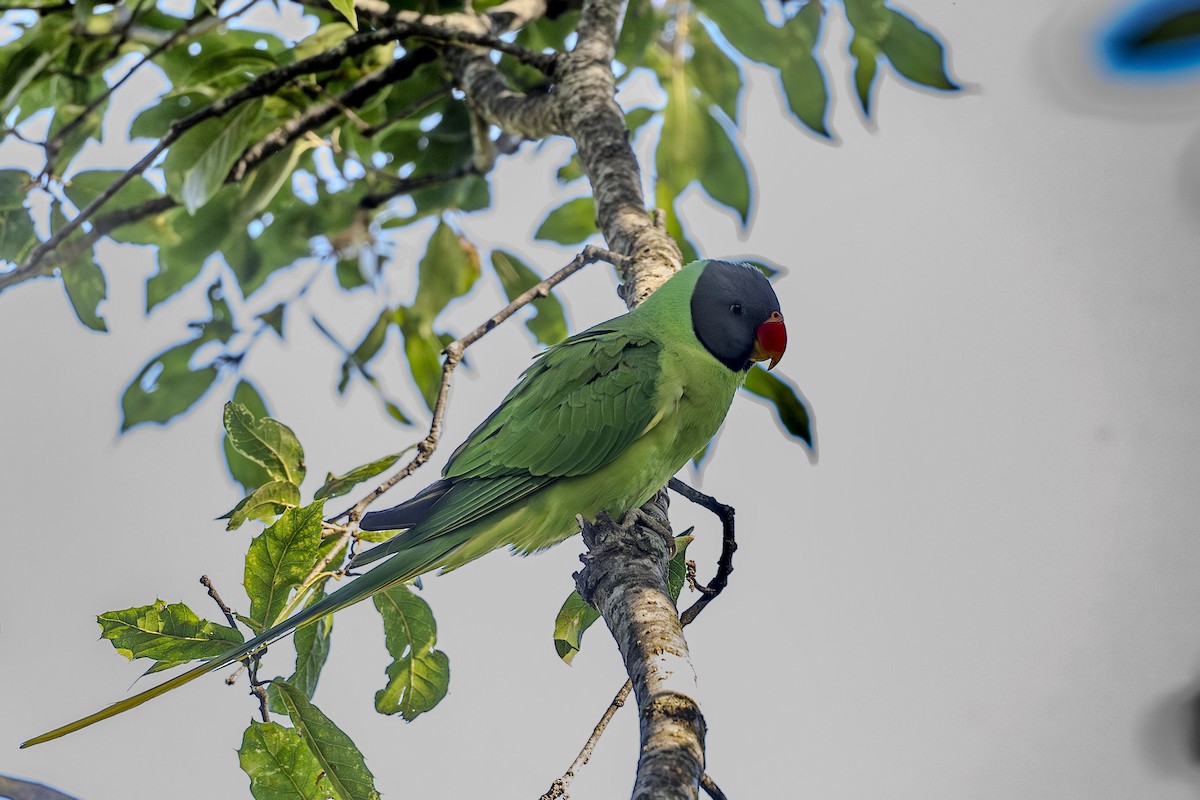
(336, 486)
(167, 386)
(265, 441)
(419, 675)
(212, 151)
(264, 503)
(250, 474)
(170, 634)
(280, 764)
(343, 763)
(790, 407)
(571, 223)
(278, 560)
(548, 324)
(915, 52)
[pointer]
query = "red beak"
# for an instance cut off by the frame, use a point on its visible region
(770, 340)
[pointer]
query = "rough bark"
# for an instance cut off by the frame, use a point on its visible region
(625, 578)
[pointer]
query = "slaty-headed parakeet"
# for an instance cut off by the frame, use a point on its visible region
(599, 422)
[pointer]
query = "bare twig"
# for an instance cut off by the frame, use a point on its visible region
(710, 788)
(409, 185)
(212, 592)
(561, 785)
(454, 353)
(250, 663)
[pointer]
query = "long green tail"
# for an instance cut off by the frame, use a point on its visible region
(404, 566)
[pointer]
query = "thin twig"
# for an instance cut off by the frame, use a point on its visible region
(212, 592)
(559, 787)
(454, 353)
(710, 787)
(410, 185)
(250, 663)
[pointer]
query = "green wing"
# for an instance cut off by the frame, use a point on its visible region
(576, 409)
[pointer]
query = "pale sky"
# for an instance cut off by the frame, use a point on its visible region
(985, 588)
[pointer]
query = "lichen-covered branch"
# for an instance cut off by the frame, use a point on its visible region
(625, 578)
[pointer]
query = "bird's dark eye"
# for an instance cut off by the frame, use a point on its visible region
(736, 308)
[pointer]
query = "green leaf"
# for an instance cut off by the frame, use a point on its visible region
(800, 73)
(548, 323)
(261, 186)
(266, 442)
(250, 474)
(280, 764)
(571, 223)
(746, 27)
(448, 270)
(780, 394)
(346, 9)
(677, 568)
(167, 386)
(84, 187)
(264, 503)
(274, 318)
(423, 350)
(576, 616)
(343, 763)
(338, 486)
(17, 234)
(915, 53)
(204, 155)
(724, 175)
(86, 289)
(713, 72)
(169, 634)
(573, 619)
(158, 116)
(866, 54)
(278, 560)
(419, 675)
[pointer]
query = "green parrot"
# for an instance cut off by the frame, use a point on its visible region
(599, 422)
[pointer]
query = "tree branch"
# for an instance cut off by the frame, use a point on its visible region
(625, 578)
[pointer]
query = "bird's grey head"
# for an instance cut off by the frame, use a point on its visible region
(736, 315)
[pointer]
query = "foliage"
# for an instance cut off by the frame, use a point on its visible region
(269, 150)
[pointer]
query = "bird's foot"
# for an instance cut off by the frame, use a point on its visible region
(638, 516)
